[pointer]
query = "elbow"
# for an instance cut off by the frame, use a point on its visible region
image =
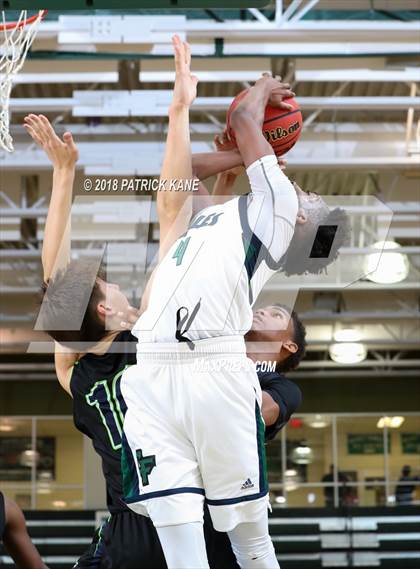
(270, 414)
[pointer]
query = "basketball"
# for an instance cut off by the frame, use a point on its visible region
(281, 127)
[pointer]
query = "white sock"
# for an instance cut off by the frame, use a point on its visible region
(252, 545)
(184, 546)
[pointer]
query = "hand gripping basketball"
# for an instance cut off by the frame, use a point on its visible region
(282, 119)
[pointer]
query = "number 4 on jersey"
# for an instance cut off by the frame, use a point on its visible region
(180, 251)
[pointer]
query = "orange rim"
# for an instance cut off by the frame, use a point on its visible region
(30, 20)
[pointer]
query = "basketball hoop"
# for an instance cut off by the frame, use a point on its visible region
(16, 39)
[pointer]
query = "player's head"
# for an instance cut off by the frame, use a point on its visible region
(319, 234)
(76, 292)
(277, 326)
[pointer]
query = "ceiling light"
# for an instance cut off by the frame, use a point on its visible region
(290, 472)
(280, 500)
(384, 267)
(390, 422)
(348, 352)
(291, 480)
(59, 504)
(318, 421)
(29, 458)
(44, 475)
(311, 497)
(347, 335)
(6, 428)
(302, 454)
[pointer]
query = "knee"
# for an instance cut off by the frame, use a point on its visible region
(254, 549)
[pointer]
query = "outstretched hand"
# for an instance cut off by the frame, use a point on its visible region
(62, 153)
(185, 89)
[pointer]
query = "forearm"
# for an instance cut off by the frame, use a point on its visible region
(56, 244)
(177, 161)
(223, 188)
(210, 164)
(246, 122)
(253, 104)
(17, 541)
(24, 553)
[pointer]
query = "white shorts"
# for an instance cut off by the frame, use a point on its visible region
(193, 430)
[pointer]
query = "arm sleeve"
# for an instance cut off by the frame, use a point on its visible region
(286, 394)
(272, 205)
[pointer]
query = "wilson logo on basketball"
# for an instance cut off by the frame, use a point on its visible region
(277, 133)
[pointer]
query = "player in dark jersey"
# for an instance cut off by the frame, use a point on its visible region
(128, 540)
(14, 536)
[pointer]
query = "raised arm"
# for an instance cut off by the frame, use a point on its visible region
(247, 118)
(174, 207)
(63, 155)
(273, 209)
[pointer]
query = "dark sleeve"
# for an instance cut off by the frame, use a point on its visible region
(285, 393)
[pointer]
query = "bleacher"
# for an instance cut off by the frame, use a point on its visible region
(385, 538)
(388, 538)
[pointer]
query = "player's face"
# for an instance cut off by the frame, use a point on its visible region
(307, 199)
(312, 209)
(114, 302)
(272, 323)
(271, 336)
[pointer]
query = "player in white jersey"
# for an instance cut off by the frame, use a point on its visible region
(193, 428)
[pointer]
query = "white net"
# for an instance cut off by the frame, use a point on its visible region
(15, 42)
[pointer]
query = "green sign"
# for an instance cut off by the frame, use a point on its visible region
(367, 444)
(410, 443)
(62, 5)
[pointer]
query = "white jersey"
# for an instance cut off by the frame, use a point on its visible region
(207, 283)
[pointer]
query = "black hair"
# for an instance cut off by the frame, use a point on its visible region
(311, 251)
(299, 337)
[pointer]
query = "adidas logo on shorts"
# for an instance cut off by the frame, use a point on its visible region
(247, 484)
